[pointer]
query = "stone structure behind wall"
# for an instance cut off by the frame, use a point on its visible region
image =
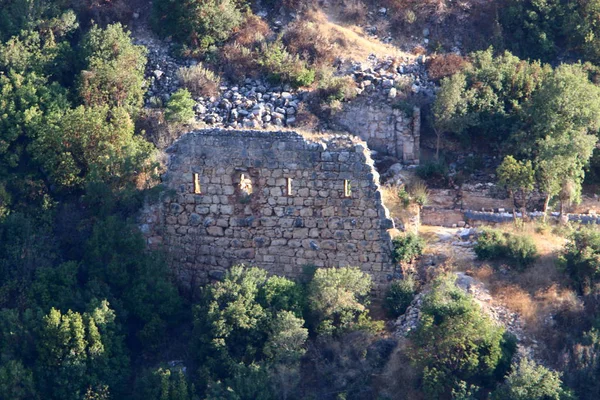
(272, 199)
(385, 129)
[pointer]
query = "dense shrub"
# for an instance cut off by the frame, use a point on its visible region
(444, 65)
(91, 144)
(180, 107)
(239, 62)
(114, 70)
(518, 250)
(399, 296)
(281, 66)
(490, 244)
(436, 170)
(543, 30)
(252, 31)
(581, 258)
(407, 247)
(529, 381)
(200, 81)
(337, 298)
(457, 345)
(333, 88)
(199, 24)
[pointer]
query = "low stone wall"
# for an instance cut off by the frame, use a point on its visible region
(271, 199)
(441, 217)
(453, 218)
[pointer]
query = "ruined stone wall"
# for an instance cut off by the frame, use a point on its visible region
(313, 202)
(384, 128)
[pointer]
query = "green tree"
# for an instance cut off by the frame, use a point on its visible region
(50, 16)
(338, 299)
(249, 333)
(544, 29)
(287, 338)
(114, 69)
(91, 144)
(399, 296)
(230, 323)
(180, 107)
(581, 258)
(198, 23)
(486, 99)
(565, 118)
(16, 381)
(163, 384)
(27, 104)
(529, 381)
(450, 109)
(407, 248)
(456, 342)
(118, 267)
(517, 177)
(77, 351)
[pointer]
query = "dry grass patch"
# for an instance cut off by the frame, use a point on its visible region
(397, 207)
(349, 42)
(252, 31)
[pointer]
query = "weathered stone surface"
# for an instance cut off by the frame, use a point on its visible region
(270, 228)
(385, 129)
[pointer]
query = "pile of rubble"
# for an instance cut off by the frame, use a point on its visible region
(257, 104)
(252, 105)
(390, 75)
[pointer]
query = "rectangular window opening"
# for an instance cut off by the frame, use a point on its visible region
(197, 189)
(289, 186)
(347, 188)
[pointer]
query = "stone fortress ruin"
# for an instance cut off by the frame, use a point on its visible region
(277, 200)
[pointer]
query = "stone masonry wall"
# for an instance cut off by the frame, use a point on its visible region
(385, 129)
(313, 202)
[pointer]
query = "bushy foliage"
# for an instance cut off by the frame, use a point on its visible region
(407, 247)
(581, 258)
(332, 88)
(529, 381)
(444, 65)
(114, 69)
(197, 23)
(516, 175)
(23, 15)
(486, 98)
(249, 318)
(91, 144)
(457, 343)
(163, 383)
(180, 107)
(583, 365)
(519, 250)
(337, 299)
(79, 351)
(399, 296)
(433, 170)
(542, 30)
(281, 66)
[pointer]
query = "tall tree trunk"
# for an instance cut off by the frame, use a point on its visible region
(546, 203)
(514, 207)
(437, 144)
(562, 209)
